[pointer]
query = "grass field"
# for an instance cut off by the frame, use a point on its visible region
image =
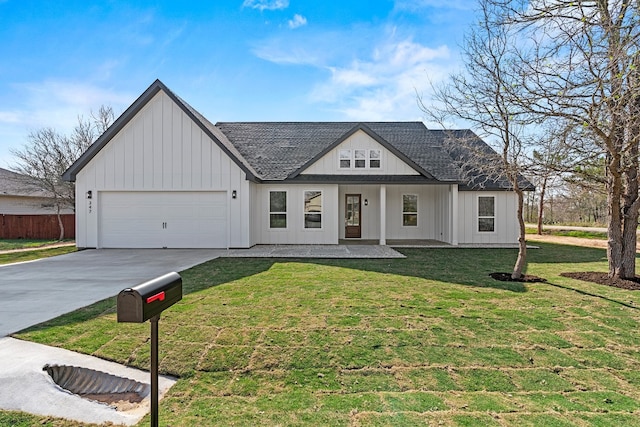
(426, 340)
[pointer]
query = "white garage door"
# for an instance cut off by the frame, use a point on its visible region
(174, 219)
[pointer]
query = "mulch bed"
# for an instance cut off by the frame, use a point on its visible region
(526, 278)
(604, 279)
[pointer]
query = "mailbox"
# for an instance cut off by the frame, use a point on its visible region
(149, 299)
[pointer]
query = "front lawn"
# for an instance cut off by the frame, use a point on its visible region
(426, 340)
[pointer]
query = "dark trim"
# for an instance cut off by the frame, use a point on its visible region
(124, 119)
(366, 129)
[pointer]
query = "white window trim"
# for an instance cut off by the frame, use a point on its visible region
(350, 159)
(286, 212)
(416, 213)
(304, 192)
(478, 216)
(367, 159)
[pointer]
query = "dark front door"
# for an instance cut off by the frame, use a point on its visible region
(352, 218)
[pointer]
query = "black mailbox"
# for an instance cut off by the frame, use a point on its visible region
(149, 299)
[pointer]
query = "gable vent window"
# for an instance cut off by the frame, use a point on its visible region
(360, 159)
(374, 159)
(277, 209)
(313, 209)
(345, 159)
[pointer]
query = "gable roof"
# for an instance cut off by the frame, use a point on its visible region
(281, 151)
(157, 86)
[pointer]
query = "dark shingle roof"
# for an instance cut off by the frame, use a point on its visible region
(279, 151)
(276, 150)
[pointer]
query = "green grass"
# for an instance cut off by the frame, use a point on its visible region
(597, 235)
(426, 340)
(8, 244)
(9, 258)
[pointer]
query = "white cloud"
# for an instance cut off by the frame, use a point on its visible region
(279, 51)
(58, 104)
(297, 21)
(266, 4)
(384, 86)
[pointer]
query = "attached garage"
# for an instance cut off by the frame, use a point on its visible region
(163, 219)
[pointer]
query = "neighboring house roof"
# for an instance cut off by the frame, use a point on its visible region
(15, 184)
(281, 151)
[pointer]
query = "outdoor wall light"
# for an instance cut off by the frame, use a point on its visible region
(366, 202)
(234, 194)
(89, 194)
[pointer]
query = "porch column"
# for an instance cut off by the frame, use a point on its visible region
(383, 214)
(454, 214)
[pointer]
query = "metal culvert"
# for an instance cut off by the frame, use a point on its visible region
(96, 385)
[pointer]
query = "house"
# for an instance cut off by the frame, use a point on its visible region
(28, 213)
(17, 197)
(163, 176)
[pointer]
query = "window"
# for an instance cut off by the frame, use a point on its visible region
(374, 159)
(486, 214)
(313, 209)
(410, 210)
(345, 159)
(360, 158)
(277, 209)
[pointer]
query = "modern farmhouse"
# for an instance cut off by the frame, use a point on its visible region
(163, 176)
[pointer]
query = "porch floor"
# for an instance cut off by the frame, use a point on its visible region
(398, 243)
(427, 243)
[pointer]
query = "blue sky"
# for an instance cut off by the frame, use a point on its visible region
(233, 60)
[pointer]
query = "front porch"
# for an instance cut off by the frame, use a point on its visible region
(398, 215)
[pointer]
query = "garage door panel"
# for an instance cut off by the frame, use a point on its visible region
(163, 219)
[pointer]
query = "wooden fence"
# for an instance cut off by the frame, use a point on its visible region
(36, 226)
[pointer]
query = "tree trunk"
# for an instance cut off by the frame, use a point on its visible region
(630, 215)
(614, 230)
(60, 224)
(543, 190)
(522, 243)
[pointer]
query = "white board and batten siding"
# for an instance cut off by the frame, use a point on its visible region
(295, 232)
(329, 164)
(505, 223)
(162, 163)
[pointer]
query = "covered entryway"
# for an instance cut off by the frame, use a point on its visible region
(163, 219)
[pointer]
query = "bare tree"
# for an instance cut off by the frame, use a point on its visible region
(582, 64)
(47, 154)
(483, 96)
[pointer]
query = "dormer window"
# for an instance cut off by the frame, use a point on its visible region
(360, 159)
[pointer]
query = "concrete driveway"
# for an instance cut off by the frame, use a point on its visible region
(33, 292)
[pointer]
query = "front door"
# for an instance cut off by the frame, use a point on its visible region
(352, 218)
